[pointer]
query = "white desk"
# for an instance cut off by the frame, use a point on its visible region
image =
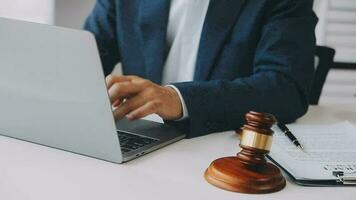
(29, 171)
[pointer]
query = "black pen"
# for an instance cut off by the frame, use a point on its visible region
(290, 135)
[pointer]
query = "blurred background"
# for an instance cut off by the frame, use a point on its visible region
(68, 13)
(336, 29)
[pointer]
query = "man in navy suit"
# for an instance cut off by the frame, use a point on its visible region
(201, 65)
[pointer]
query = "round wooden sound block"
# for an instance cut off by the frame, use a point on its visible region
(230, 173)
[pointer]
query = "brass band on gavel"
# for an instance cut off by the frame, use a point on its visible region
(256, 140)
(257, 133)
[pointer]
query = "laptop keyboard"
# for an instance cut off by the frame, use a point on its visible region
(130, 142)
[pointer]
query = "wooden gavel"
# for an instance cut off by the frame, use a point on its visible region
(249, 171)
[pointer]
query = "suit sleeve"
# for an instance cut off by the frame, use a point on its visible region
(102, 23)
(283, 72)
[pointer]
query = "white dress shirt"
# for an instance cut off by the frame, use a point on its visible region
(185, 24)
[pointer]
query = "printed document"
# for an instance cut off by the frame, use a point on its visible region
(327, 148)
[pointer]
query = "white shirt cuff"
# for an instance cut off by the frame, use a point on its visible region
(184, 106)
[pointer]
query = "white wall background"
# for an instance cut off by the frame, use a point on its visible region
(30, 10)
(337, 27)
(72, 13)
(67, 13)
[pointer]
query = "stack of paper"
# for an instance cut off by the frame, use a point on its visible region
(327, 148)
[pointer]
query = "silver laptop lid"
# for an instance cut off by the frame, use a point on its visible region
(52, 90)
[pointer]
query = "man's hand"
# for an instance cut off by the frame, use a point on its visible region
(135, 97)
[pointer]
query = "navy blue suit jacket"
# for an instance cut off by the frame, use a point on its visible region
(253, 55)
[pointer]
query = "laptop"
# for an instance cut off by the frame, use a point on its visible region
(53, 93)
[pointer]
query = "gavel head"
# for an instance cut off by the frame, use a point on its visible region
(260, 122)
(256, 137)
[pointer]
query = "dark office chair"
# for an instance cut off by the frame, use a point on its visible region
(344, 65)
(326, 61)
